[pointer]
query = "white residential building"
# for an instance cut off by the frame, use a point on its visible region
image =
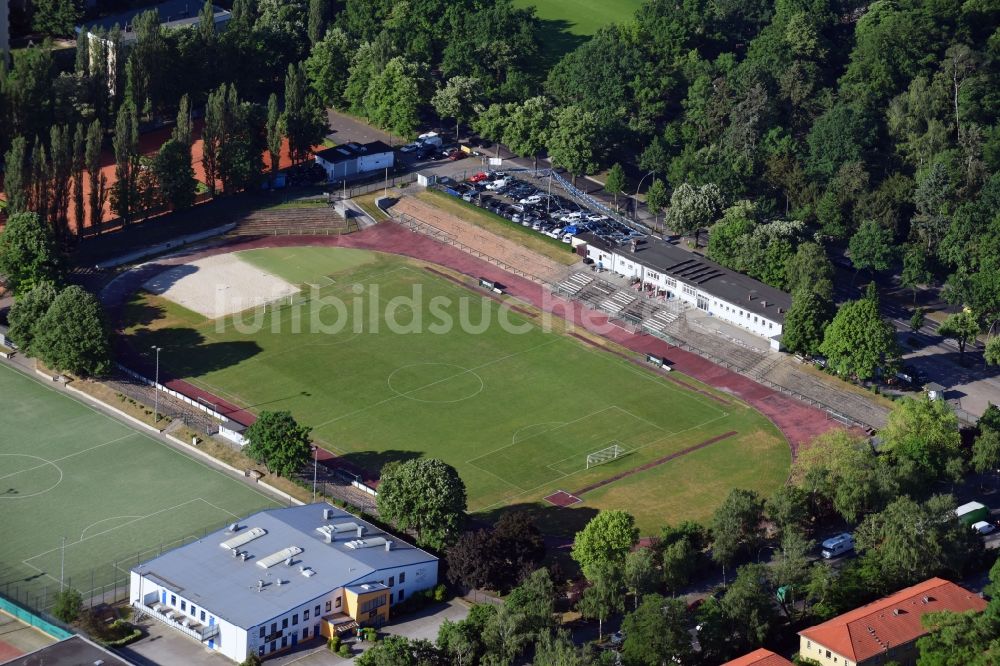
(352, 160)
(279, 578)
(671, 271)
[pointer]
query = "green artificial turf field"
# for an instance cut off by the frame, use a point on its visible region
(515, 412)
(583, 17)
(114, 494)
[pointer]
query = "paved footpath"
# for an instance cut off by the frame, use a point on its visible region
(799, 422)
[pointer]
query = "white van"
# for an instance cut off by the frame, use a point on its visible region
(838, 545)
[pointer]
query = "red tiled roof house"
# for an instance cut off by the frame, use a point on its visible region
(884, 630)
(759, 657)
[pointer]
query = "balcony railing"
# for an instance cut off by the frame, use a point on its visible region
(179, 621)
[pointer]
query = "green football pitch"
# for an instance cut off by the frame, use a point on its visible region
(84, 497)
(515, 411)
(583, 17)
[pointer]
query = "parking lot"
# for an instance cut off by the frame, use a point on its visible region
(535, 206)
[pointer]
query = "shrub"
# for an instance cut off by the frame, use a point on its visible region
(333, 643)
(68, 605)
(251, 660)
(440, 592)
(345, 651)
(371, 635)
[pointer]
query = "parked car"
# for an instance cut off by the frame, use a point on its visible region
(498, 184)
(456, 154)
(477, 177)
(983, 527)
(838, 545)
(411, 147)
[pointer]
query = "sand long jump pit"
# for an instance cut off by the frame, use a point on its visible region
(219, 285)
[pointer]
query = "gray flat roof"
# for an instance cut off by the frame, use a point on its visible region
(352, 150)
(73, 651)
(712, 278)
(209, 576)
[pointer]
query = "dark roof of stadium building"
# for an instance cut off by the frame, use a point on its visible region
(72, 651)
(350, 151)
(706, 275)
(173, 14)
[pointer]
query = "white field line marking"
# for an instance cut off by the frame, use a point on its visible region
(71, 455)
(103, 520)
(564, 474)
(112, 529)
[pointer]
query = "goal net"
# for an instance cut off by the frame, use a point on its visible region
(607, 454)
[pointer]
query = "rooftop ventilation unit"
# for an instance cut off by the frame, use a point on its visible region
(280, 556)
(235, 527)
(260, 585)
(359, 544)
(327, 514)
(280, 582)
(245, 538)
(307, 572)
(288, 562)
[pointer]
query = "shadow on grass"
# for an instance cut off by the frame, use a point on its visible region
(557, 41)
(185, 353)
(372, 462)
(140, 312)
(557, 523)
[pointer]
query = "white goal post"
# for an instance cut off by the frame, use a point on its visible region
(607, 454)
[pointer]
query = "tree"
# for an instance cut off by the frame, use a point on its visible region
(316, 27)
(924, 431)
(327, 66)
(526, 128)
(391, 651)
(992, 352)
(962, 638)
(788, 510)
(909, 542)
(55, 18)
(604, 542)
(392, 100)
(425, 495)
(656, 197)
(457, 99)
(806, 322)
(962, 326)
(505, 635)
(98, 181)
(657, 632)
(472, 560)
(790, 569)
(615, 181)
(602, 598)
(534, 601)
(183, 130)
(72, 336)
(303, 121)
(858, 340)
(175, 175)
(810, 269)
(520, 544)
(17, 177)
(692, 208)
(748, 606)
(26, 313)
(491, 122)
(559, 650)
(640, 574)
(917, 320)
(28, 253)
(79, 207)
(871, 247)
(68, 605)
(276, 440)
(682, 554)
(736, 525)
(916, 271)
(125, 191)
(274, 132)
(573, 140)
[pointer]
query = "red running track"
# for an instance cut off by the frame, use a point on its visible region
(797, 421)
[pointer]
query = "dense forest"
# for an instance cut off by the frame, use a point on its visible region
(787, 127)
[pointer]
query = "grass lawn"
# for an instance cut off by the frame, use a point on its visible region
(116, 495)
(583, 17)
(516, 411)
(549, 247)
